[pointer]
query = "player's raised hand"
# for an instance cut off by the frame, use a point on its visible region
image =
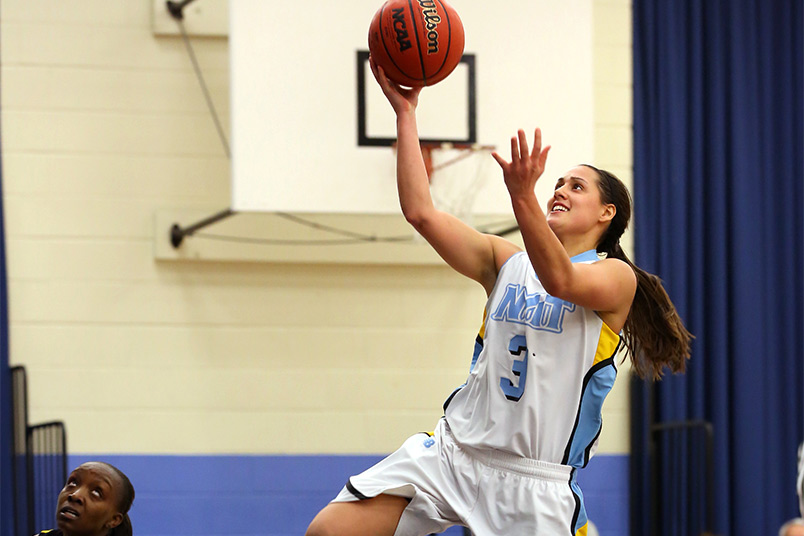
(402, 99)
(525, 167)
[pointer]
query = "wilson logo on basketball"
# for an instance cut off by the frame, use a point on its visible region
(401, 29)
(431, 22)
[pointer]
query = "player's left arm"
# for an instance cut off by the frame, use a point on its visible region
(605, 286)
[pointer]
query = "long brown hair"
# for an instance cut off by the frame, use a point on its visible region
(653, 333)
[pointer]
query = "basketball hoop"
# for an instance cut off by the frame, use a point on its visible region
(462, 151)
(456, 172)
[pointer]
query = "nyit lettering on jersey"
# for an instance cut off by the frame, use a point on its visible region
(541, 370)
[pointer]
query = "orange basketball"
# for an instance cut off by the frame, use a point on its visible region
(416, 42)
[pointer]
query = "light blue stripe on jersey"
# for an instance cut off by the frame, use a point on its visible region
(586, 256)
(589, 255)
(600, 381)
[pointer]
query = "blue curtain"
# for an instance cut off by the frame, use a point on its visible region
(718, 198)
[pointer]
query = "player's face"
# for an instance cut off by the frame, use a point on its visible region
(88, 503)
(576, 206)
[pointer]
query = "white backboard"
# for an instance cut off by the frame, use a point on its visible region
(294, 100)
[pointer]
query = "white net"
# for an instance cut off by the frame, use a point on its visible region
(457, 174)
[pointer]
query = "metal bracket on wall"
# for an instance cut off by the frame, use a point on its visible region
(177, 233)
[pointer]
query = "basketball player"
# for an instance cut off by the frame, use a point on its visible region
(504, 458)
(94, 502)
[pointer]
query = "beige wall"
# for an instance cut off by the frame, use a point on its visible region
(614, 152)
(104, 125)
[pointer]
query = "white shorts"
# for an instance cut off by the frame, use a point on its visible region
(490, 492)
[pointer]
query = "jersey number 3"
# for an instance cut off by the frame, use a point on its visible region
(517, 347)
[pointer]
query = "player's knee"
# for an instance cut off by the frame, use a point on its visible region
(321, 525)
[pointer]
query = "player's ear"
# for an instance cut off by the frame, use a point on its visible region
(608, 213)
(114, 521)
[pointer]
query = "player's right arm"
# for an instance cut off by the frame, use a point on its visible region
(470, 252)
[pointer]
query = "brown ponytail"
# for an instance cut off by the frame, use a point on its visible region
(653, 333)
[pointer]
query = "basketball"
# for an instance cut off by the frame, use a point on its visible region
(416, 42)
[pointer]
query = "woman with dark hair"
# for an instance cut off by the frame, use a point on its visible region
(94, 502)
(504, 458)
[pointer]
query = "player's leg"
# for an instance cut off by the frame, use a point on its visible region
(377, 516)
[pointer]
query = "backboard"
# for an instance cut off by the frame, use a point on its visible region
(300, 143)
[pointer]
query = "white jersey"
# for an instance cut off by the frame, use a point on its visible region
(541, 370)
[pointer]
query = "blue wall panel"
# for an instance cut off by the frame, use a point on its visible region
(605, 493)
(279, 495)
